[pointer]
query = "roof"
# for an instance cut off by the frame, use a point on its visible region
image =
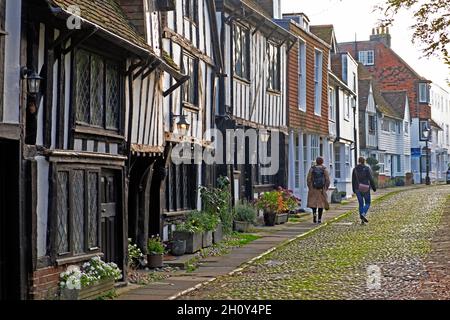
(108, 15)
(366, 81)
(397, 100)
(324, 32)
(257, 7)
(434, 124)
(368, 42)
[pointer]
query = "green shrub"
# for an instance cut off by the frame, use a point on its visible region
(155, 246)
(245, 212)
(217, 201)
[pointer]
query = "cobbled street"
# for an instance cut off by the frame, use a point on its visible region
(342, 260)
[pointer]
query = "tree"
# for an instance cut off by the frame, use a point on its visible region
(432, 23)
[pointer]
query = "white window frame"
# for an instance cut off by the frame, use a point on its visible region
(318, 78)
(383, 124)
(367, 57)
(302, 75)
(424, 96)
(332, 103)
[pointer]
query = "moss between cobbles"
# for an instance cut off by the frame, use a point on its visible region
(331, 262)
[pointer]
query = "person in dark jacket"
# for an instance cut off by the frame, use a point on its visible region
(362, 177)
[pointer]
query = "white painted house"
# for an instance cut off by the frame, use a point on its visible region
(343, 87)
(440, 113)
(385, 128)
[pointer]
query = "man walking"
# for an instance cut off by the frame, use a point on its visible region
(362, 181)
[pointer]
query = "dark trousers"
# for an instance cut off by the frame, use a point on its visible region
(320, 212)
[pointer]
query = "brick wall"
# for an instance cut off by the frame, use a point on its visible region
(307, 121)
(45, 283)
(134, 10)
(393, 74)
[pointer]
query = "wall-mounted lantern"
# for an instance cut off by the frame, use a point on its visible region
(33, 80)
(183, 125)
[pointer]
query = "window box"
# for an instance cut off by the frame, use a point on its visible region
(194, 241)
(218, 234)
(88, 293)
(207, 239)
(281, 218)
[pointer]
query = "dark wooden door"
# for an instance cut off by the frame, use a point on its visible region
(109, 216)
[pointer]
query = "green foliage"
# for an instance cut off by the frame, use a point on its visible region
(374, 165)
(278, 201)
(134, 254)
(217, 201)
(204, 220)
(432, 23)
(189, 227)
(155, 246)
(245, 212)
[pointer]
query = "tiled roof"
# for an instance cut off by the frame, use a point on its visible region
(383, 106)
(108, 15)
(324, 32)
(257, 7)
(397, 100)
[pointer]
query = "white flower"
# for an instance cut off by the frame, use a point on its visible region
(73, 269)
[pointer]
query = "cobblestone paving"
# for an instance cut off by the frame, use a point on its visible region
(335, 261)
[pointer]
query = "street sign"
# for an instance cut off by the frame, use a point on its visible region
(416, 152)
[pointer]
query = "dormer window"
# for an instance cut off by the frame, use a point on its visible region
(367, 58)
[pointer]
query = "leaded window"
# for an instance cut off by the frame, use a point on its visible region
(77, 212)
(241, 52)
(190, 88)
(274, 67)
(181, 188)
(97, 91)
(190, 10)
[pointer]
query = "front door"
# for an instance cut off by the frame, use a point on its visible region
(109, 216)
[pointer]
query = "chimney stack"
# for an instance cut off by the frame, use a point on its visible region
(381, 34)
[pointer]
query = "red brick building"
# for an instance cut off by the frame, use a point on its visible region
(307, 99)
(391, 71)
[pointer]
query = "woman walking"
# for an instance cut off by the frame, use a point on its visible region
(318, 184)
(362, 181)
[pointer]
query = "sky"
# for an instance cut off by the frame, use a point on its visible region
(356, 18)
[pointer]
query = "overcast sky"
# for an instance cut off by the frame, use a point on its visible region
(351, 17)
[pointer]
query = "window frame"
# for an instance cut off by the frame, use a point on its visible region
(244, 55)
(426, 99)
(107, 60)
(383, 125)
(187, 12)
(367, 57)
(193, 80)
(371, 130)
(87, 250)
(302, 74)
(318, 81)
(332, 104)
(273, 74)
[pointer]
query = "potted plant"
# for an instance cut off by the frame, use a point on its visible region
(155, 254)
(278, 202)
(208, 223)
(290, 204)
(90, 281)
(245, 216)
(191, 232)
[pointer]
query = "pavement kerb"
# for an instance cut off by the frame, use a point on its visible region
(301, 236)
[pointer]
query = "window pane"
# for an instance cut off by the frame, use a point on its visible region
(112, 97)
(97, 103)
(93, 211)
(78, 211)
(62, 241)
(82, 86)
